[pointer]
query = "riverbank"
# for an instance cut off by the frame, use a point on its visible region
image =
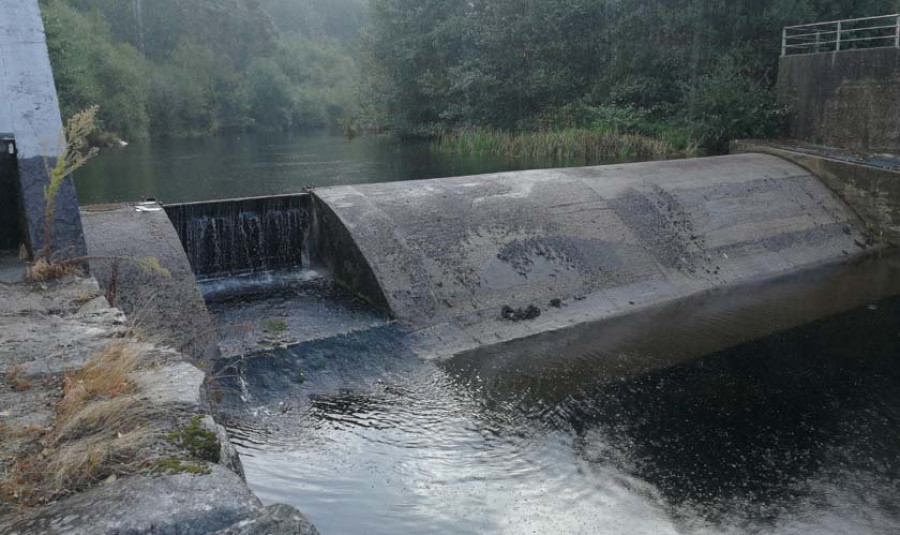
(583, 145)
(104, 431)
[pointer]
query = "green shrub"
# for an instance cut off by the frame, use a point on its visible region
(726, 105)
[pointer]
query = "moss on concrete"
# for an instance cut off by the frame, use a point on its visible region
(177, 466)
(199, 442)
(275, 326)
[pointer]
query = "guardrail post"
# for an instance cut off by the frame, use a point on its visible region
(839, 36)
(897, 35)
(784, 38)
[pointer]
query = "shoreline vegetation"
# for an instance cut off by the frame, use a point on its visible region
(561, 79)
(568, 145)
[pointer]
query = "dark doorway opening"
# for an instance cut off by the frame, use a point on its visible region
(11, 227)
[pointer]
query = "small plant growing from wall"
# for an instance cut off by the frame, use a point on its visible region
(75, 151)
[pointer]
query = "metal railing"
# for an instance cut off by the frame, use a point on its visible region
(834, 36)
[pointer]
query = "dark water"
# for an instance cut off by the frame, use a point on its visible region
(246, 165)
(794, 433)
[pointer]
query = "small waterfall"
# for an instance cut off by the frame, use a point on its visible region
(242, 236)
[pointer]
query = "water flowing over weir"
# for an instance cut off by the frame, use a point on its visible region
(239, 236)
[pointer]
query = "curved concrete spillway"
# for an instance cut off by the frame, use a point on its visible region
(578, 244)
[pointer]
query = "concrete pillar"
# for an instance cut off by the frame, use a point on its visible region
(29, 113)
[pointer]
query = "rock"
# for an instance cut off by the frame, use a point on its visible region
(274, 520)
(228, 455)
(181, 504)
(175, 384)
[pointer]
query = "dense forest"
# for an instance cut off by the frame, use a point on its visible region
(194, 67)
(687, 71)
(691, 70)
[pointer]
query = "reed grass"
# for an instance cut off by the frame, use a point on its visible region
(567, 145)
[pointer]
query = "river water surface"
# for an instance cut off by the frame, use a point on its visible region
(794, 433)
(797, 433)
(246, 165)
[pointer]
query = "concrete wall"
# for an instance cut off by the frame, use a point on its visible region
(872, 192)
(168, 307)
(29, 110)
(848, 99)
(582, 244)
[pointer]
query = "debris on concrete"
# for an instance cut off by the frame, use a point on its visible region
(520, 314)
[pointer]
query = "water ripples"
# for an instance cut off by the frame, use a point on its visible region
(767, 438)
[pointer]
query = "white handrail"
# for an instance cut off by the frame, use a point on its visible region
(842, 20)
(834, 36)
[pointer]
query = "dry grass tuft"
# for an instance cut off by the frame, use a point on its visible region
(85, 297)
(42, 270)
(104, 376)
(101, 430)
(15, 380)
(76, 465)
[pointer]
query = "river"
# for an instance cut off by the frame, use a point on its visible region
(795, 433)
(246, 165)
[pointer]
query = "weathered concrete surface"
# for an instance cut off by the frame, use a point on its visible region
(849, 99)
(169, 308)
(582, 244)
(29, 110)
(275, 519)
(45, 333)
(49, 329)
(872, 191)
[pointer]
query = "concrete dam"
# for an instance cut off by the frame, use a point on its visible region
(469, 262)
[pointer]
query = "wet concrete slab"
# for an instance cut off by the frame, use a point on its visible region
(266, 311)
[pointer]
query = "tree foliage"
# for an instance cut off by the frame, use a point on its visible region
(193, 67)
(705, 66)
(702, 69)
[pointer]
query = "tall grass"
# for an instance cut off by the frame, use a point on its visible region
(568, 145)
